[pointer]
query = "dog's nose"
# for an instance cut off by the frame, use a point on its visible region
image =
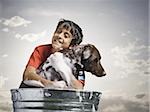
(104, 73)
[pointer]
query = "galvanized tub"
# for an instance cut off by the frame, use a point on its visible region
(54, 100)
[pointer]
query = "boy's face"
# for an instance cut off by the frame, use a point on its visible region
(62, 37)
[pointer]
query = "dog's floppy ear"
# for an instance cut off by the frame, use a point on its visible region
(86, 52)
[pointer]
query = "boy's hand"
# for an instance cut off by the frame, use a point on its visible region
(76, 84)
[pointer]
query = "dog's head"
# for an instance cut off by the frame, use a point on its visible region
(91, 60)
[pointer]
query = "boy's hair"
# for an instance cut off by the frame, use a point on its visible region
(76, 31)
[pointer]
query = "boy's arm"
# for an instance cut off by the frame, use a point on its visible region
(30, 74)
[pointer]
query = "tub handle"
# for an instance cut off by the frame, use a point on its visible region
(47, 94)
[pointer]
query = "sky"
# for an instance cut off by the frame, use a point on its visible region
(118, 28)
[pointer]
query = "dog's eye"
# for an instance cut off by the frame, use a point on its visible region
(96, 60)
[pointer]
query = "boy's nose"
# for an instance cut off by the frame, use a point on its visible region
(60, 39)
(60, 35)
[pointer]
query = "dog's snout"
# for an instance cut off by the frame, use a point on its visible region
(100, 74)
(104, 73)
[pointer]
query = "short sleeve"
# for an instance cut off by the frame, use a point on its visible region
(35, 59)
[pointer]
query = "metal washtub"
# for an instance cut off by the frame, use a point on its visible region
(53, 100)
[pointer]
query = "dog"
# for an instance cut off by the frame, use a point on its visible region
(65, 65)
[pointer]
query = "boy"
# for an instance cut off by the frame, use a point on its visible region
(67, 34)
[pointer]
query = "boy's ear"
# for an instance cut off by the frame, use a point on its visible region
(70, 47)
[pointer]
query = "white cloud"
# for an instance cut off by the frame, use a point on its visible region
(5, 30)
(16, 21)
(121, 104)
(4, 55)
(129, 59)
(2, 81)
(31, 37)
(125, 33)
(18, 36)
(5, 102)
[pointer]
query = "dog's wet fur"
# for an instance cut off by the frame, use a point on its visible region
(65, 65)
(81, 57)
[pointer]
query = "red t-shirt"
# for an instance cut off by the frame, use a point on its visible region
(39, 56)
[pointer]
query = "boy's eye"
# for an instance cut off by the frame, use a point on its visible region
(66, 35)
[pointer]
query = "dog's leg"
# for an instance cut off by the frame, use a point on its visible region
(33, 83)
(57, 84)
(61, 66)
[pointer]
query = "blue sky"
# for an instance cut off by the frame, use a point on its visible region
(118, 28)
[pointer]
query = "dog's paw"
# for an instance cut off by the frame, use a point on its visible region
(60, 84)
(33, 83)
